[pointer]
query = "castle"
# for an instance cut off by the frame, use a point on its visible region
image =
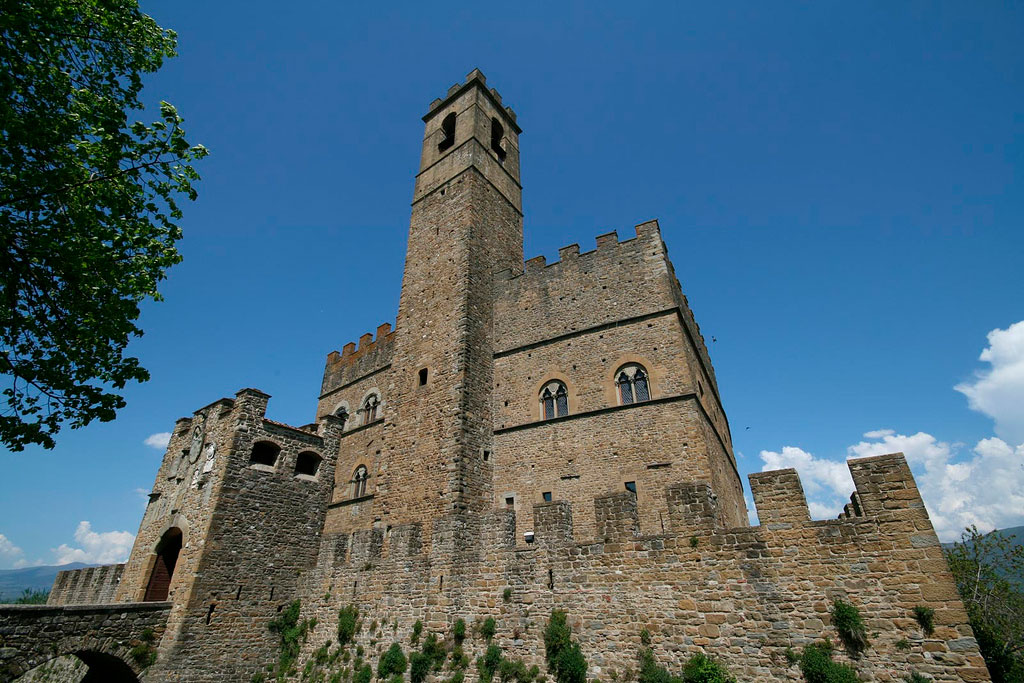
(529, 437)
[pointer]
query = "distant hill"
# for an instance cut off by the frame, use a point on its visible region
(13, 582)
(1016, 535)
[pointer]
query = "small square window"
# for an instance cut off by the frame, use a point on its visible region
(510, 502)
(631, 486)
(546, 496)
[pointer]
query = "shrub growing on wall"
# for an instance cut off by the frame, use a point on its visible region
(348, 619)
(847, 620)
(564, 656)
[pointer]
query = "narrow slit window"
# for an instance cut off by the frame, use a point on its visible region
(423, 377)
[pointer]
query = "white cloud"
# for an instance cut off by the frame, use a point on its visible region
(158, 441)
(985, 488)
(11, 556)
(999, 391)
(824, 480)
(107, 547)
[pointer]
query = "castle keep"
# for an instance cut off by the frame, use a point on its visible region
(528, 437)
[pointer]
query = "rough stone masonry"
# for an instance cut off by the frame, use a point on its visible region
(530, 436)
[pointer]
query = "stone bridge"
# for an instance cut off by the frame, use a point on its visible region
(116, 641)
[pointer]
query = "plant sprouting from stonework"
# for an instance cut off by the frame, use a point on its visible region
(459, 630)
(292, 633)
(488, 629)
(487, 664)
(391, 662)
(925, 617)
(817, 666)
(348, 620)
(848, 622)
(564, 656)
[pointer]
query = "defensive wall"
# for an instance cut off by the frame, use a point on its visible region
(86, 586)
(743, 594)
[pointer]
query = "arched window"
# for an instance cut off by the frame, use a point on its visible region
(359, 482)
(632, 384)
(264, 453)
(370, 408)
(307, 463)
(554, 400)
(448, 130)
(342, 414)
(497, 134)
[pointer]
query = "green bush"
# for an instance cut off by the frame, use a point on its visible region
(488, 628)
(488, 663)
(650, 672)
(817, 666)
(291, 633)
(391, 662)
(847, 620)
(459, 630)
(563, 654)
(645, 636)
(457, 677)
(417, 629)
(515, 671)
(703, 669)
(31, 597)
(925, 617)
(434, 652)
(506, 595)
(903, 645)
(348, 620)
(419, 667)
(364, 674)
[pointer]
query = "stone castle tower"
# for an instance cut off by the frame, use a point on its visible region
(529, 437)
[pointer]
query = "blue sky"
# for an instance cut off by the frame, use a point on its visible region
(841, 188)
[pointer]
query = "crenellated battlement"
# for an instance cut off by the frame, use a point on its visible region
(692, 513)
(474, 77)
(367, 343)
(648, 234)
(373, 353)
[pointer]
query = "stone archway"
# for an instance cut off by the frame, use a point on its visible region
(167, 551)
(86, 666)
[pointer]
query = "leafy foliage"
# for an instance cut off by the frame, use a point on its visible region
(88, 207)
(848, 622)
(925, 617)
(515, 671)
(32, 597)
(417, 630)
(433, 650)
(419, 667)
(817, 666)
(391, 662)
(563, 654)
(703, 669)
(348, 620)
(983, 567)
(364, 674)
(144, 651)
(488, 628)
(459, 630)
(292, 633)
(488, 663)
(915, 677)
(650, 672)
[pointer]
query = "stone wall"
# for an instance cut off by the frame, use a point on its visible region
(102, 636)
(742, 594)
(87, 586)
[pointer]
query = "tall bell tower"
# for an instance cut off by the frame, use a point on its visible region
(466, 226)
